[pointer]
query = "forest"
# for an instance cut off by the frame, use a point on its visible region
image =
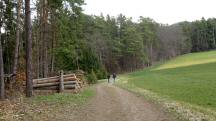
(40, 39)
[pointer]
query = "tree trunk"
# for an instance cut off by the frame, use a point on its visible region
(213, 37)
(53, 54)
(151, 53)
(28, 32)
(53, 62)
(45, 38)
(53, 22)
(40, 39)
(38, 52)
(16, 51)
(2, 83)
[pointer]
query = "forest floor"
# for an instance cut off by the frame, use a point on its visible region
(107, 103)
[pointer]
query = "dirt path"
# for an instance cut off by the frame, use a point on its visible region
(111, 103)
(114, 104)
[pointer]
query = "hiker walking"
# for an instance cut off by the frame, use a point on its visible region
(108, 77)
(114, 77)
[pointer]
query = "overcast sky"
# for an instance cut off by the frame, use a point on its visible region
(162, 11)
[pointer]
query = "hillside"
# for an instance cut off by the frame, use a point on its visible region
(189, 79)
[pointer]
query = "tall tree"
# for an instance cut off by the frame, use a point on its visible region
(16, 51)
(9, 34)
(147, 27)
(45, 36)
(2, 85)
(28, 37)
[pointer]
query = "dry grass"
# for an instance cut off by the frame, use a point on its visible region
(43, 108)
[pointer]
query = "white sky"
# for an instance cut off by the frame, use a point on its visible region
(162, 11)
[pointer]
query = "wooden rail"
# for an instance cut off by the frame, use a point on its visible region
(61, 83)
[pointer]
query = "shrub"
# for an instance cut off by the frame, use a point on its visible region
(101, 74)
(92, 78)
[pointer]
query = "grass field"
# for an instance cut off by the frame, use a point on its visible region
(189, 78)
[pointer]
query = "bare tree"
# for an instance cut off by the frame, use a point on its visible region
(16, 51)
(28, 32)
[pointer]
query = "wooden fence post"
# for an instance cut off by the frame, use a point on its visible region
(61, 85)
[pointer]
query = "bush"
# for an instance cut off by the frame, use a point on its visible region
(101, 74)
(92, 78)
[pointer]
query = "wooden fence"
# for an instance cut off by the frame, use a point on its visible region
(61, 83)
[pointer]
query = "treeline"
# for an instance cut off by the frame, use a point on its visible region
(201, 34)
(64, 38)
(121, 44)
(124, 45)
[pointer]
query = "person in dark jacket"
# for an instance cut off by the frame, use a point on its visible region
(114, 77)
(108, 77)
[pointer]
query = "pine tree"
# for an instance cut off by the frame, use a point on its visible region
(16, 51)
(28, 32)
(2, 83)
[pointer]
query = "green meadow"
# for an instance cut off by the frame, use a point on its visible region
(190, 78)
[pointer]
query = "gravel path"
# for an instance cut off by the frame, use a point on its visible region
(115, 104)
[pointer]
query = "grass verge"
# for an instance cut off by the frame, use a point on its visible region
(66, 98)
(181, 110)
(45, 108)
